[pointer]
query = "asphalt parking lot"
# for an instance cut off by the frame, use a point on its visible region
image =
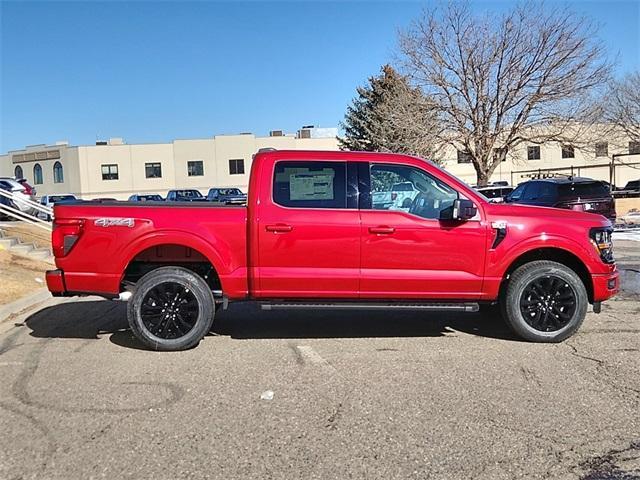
(353, 395)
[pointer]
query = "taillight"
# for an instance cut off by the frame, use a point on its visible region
(66, 233)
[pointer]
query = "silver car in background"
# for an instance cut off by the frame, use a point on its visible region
(51, 200)
(21, 194)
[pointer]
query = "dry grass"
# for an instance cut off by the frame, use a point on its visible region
(19, 276)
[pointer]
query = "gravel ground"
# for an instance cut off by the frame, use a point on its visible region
(405, 395)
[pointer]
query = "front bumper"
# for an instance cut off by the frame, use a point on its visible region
(605, 285)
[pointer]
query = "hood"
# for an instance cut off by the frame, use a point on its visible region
(507, 210)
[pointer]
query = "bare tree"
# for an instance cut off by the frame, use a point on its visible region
(501, 81)
(622, 106)
(389, 115)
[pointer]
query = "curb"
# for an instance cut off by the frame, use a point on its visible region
(24, 303)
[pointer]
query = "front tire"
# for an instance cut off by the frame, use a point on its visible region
(172, 309)
(545, 302)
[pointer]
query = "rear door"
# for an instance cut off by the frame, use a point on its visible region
(309, 233)
(410, 252)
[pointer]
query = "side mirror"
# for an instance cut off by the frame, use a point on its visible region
(462, 209)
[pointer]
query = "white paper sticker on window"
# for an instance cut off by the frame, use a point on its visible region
(312, 185)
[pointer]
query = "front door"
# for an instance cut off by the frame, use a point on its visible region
(408, 252)
(309, 234)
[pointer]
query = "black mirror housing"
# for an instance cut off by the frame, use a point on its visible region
(462, 209)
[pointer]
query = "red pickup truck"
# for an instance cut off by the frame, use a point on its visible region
(312, 237)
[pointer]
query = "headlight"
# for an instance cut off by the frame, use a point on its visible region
(601, 240)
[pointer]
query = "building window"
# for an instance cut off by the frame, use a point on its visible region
(634, 148)
(567, 151)
(195, 168)
(464, 157)
(37, 174)
(18, 172)
(236, 167)
(602, 149)
(110, 172)
(153, 170)
(58, 174)
(533, 152)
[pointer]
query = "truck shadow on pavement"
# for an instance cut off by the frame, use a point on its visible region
(92, 319)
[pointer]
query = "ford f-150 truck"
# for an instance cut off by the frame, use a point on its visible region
(311, 237)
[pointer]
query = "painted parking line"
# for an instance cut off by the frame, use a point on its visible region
(310, 355)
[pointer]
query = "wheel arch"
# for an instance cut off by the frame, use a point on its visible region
(200, 252)
(554, 254)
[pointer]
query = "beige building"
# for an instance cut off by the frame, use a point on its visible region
(114, 169)
(553, 159)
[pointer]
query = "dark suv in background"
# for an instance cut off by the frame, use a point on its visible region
(572, 193)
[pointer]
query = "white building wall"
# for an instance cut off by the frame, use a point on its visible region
(82, 165)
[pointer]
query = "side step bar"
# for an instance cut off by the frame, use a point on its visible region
(432, 307)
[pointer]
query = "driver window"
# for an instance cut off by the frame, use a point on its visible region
(409, 189)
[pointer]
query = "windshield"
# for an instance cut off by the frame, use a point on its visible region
(61, 198)
(188, 194)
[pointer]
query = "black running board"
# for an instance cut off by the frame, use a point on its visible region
(432, 307)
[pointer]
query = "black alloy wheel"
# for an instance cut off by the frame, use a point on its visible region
(544, 301)
(169, 310)
(172, 308)
(548, 303)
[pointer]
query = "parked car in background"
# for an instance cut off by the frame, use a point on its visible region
(28, 189)
(51, 200)
(402, 194)
(227, 196)
(571, 193)
(4, 201)
(190, 195)
(136, 197)
(495, 193)
(20, 193)
(632, 217)
(103, 199)
(631, 189)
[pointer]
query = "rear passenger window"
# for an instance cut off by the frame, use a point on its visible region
(302, 184)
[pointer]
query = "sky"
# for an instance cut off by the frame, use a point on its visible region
(152, 71)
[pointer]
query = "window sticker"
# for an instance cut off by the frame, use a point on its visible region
(316, 185)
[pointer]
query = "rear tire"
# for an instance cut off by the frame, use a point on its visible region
(172, 309)
(545, 301)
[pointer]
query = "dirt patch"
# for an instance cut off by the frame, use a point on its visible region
(19, 276)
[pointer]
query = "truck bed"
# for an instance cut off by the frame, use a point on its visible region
(117, 237)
